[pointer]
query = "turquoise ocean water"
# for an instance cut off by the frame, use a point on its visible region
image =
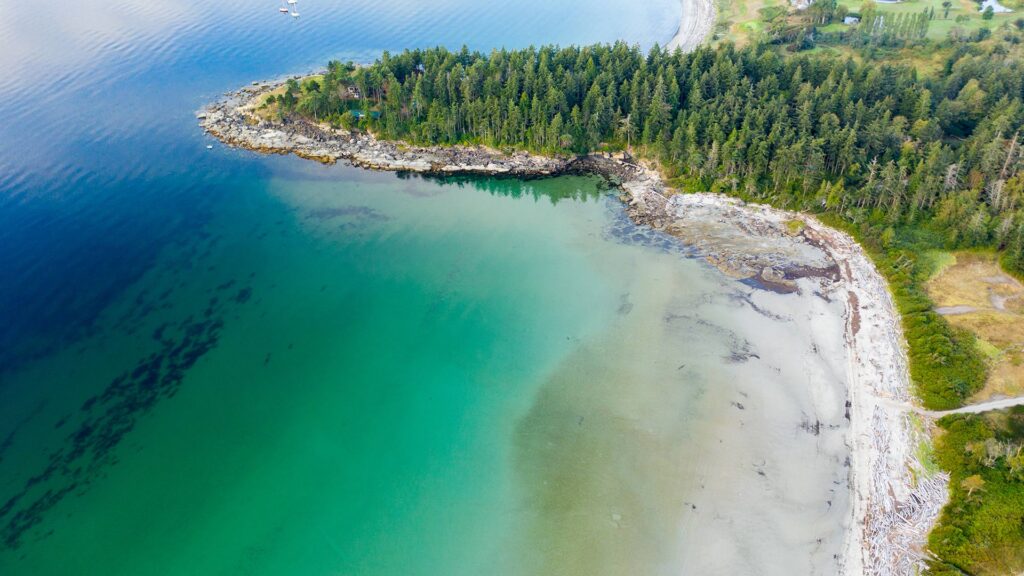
(214, 362)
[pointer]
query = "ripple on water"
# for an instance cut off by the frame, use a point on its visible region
(102, 175)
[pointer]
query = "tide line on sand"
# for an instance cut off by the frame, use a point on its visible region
(695, 24)
(895, 501)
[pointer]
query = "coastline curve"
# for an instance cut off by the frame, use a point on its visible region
(894, 500)
(695, 25)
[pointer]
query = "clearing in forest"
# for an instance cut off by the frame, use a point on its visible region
(972, 291)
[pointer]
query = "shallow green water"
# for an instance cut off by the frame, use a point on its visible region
(215, 362)
(346, 372)
(362, 408)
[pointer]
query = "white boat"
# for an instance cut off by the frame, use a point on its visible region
(293, 2)
(295, 14)
(282, 10)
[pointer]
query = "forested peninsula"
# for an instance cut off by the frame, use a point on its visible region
(904, 160)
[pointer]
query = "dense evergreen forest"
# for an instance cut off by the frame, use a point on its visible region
(905, 161)
(902, 159)
(872, 142)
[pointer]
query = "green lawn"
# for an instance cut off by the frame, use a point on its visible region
(739, 21)
(940, 27)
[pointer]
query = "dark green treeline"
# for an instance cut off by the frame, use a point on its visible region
(905, 160)
(815, 131)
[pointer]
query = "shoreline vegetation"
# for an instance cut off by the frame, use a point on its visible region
(892, 506)
(897, 163)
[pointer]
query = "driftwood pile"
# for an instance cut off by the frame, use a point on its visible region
(896, 529)
(896, 501)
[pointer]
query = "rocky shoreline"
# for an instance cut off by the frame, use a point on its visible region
(234, 122)
(894, 501)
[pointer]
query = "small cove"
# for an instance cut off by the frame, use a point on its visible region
(411, 376)
(232, 364)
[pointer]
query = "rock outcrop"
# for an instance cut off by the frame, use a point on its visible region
(743, 241)
(234, 122)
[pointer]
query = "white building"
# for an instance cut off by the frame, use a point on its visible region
(996, 7)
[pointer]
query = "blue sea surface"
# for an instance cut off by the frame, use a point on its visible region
(101, 164)
(216, 362)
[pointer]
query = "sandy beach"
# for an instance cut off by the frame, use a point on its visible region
(695, 24)
(893, 502)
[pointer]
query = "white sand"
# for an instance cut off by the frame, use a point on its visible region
(892, 513)
(894, 502)
(695, 24)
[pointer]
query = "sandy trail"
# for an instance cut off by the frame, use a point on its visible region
(1000, 404)
(695, 25)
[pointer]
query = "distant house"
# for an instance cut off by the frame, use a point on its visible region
(353, 92)
(851, 20)
(997, 8)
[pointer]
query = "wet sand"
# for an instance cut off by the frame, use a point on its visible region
(718, 446)
(777, 253)
(895, 501)
(695, 24)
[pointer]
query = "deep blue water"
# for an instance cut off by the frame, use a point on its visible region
(102, 165)
(217, 362)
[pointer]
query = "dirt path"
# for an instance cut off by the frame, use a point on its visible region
(971, 409)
